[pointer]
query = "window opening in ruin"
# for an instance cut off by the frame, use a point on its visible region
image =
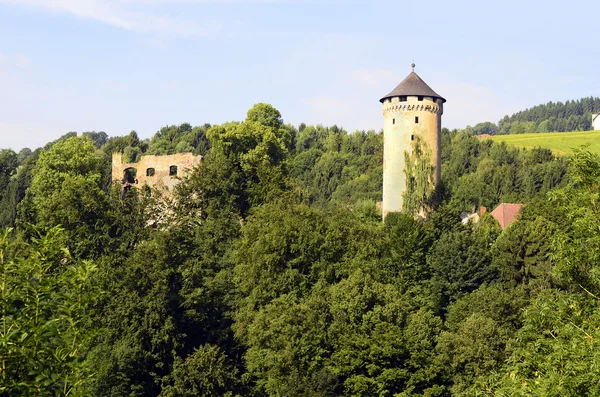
(417, 120)
(173, 170)
(393, 121)
(402, 99)
(412, 137)
(420, 98)
(150, 172)
(129, 175)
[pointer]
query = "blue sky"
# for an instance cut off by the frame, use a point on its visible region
(122, 65)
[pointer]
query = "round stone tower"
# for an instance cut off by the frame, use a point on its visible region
(411, 112)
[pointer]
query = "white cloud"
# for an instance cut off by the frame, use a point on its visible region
(126, 14)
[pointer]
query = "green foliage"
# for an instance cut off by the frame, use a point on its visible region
(269, 271)
(99, 138)
(461, 261)
(205, 372)
(179, 139)
(8, 169)
(569, 116)
(556, 351)
(479, 327)
(139, 338)
(265, 114)
(578, 246)
(522, 254)
(485, 128)
(45, 328)
(485, 173)
(333, 167)
(357, 337)
(16, 188)
(67, 189)
(409, 241)
(253, 154)
(419, 178)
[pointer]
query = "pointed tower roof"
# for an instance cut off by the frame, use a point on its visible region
(412, 85)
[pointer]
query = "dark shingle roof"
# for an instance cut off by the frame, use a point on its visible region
(412, 85)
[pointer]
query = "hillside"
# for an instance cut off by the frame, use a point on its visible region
(573, 115)
(558, 142)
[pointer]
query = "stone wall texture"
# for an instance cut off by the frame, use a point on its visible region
(400, 127)
(161, 164)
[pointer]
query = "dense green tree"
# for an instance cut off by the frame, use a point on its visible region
(555, 353)
(205, 372)
(569, 116)
(99, 138)
(357, 337)
(265, 114)
(270, 272)
(479, 327)
(460, 261)
(522, 254)
(46, 326)
(67, 189)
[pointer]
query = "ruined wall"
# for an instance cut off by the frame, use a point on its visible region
(162, 178)
(399, 129)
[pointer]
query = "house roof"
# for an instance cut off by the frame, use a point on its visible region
(412, 85)
(506, 214)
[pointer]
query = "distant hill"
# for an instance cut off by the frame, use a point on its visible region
(573, 115)
(560, 143)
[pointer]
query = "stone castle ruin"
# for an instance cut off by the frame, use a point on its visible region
(161, 171)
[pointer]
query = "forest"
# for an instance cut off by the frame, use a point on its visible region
(269, 271)
(572, 115)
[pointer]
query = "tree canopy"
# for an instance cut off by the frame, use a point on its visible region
(269, 272)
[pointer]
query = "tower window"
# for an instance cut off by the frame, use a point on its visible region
(173, 170)
(150, 172)
(393, 121)
(412, 137)
(417, 120)
(402, 99)
(420, 98)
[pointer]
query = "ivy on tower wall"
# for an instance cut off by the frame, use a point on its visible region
(419, 176)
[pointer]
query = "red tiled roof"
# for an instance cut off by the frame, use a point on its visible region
(506, 214)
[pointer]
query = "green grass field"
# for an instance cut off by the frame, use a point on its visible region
(560, 143)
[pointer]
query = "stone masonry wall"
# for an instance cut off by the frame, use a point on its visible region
(402, 121)
(162, 178)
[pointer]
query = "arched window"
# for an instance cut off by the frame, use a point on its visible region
(173, 170)
(129, 175)
(150, 172)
